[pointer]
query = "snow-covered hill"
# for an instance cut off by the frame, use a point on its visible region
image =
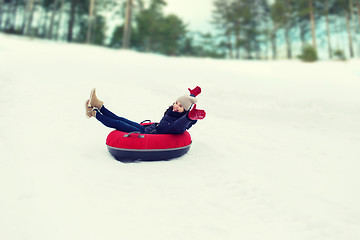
(276, 158)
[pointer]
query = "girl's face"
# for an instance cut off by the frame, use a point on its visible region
(177, 107)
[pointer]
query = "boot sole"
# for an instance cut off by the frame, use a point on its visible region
(91, 96)
(86, 108)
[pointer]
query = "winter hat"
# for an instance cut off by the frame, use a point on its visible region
(186, 101)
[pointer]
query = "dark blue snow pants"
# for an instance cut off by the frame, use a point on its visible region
(110, 120)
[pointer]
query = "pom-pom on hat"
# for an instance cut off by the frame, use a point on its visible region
(186, 101)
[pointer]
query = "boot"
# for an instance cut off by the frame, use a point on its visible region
(89, 111)
(94, 101)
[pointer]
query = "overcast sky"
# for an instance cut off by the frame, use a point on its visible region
(196, 13)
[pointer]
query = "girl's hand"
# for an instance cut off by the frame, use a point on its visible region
(196, 114)
(196, 91)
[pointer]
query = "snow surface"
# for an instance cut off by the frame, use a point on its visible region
(277, 156)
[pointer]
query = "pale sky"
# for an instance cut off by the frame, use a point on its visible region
(195, 13)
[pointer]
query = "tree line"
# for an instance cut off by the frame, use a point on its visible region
(253, 28)
(112, 23)
(249, 29)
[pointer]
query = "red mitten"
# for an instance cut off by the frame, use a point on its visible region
(196, 91)
(196, 114)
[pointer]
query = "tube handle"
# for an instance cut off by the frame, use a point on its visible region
(128, 135)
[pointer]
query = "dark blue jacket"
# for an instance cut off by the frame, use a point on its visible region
(171, 123)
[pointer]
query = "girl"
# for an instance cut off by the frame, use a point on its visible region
(176, 120)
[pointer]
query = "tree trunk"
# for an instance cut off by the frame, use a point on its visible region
(71, 20)
(44, 20)
(358, 10)
(8, 15)
(1, 11)
(90, 21)
(351, 6)
(288, 43)
(302, 32)
(25, 17)
(52, 19)
(352, 19)
(229, 44)
(287, 30)
(148, 44)
(328, 27)
(59, 20)
(312, 21)
(15, 13)
(11, 16)
(237, 40)
(273, 43)
(358, 15)
(348, 27)
(339, 41)
(127, 25)
(30, 17)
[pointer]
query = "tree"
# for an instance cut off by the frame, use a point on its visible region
(313, 26)
(222, 21)
(52, 19)
(60, 18)
(29, 19)
(341, 9)
(12, 7)
(348, 27)
(90, 21)
(243, 25)
(172, 30)
(301, 20)
(246, 28)
(158, 33)
(328, 27)
(280, 17)
(148, 22)
(46, 6)
(309, 54)
(98, 36)
(127, 24)
(117, 37)
(1, 11)
(276, 14)
(71, 20)
(260, 13)
(358, 11)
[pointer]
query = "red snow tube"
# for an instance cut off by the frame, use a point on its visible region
(147, 147)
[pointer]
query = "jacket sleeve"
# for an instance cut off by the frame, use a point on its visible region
(177, 127)
(193, 122)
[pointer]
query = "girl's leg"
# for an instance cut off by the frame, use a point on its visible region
(119, 124)
(108, 113)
